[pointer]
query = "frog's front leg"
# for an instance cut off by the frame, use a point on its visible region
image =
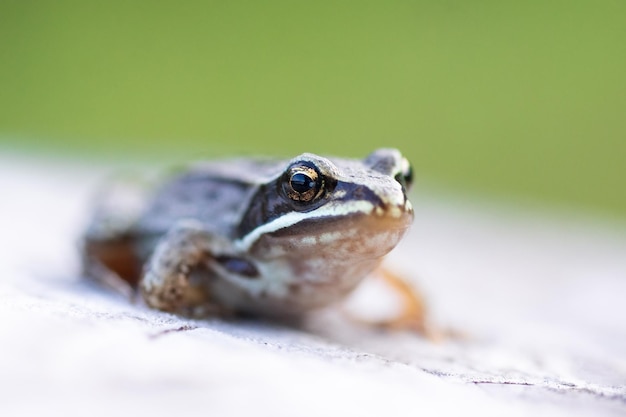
(414, 312)
(177, 274)
(413, 315)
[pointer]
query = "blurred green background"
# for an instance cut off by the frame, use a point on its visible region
(519, 99)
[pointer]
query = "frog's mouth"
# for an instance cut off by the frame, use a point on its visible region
(335, 216)
(354, 236)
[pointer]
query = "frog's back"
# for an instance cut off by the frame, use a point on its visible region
(216, 194)
(130, 218)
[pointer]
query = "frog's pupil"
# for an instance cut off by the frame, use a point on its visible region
(301, 183)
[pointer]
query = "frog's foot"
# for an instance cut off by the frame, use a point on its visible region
(176, 275)
(413, 315)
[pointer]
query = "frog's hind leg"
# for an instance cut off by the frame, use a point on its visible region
(109, 250)
(112, 263)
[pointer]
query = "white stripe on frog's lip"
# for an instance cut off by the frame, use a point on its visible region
(289, 219)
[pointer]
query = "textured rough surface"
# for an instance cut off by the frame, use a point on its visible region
(540, 299)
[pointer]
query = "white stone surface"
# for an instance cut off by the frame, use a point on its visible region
(541, 299)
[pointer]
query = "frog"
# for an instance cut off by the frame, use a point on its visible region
(273, 238)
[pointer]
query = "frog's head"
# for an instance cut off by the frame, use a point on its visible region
(349, 211)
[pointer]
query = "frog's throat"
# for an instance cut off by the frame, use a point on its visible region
(327, 211)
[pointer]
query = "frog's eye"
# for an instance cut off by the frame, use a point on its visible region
(405, 176)
(303, 183)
